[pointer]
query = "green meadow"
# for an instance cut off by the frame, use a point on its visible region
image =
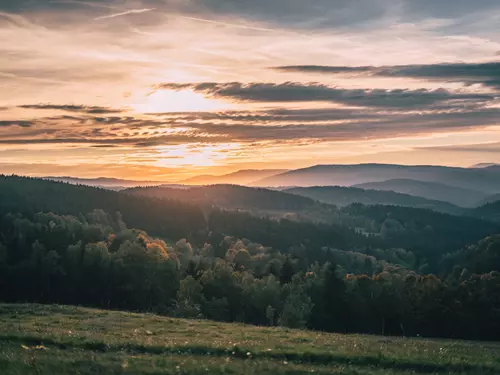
(36, 339)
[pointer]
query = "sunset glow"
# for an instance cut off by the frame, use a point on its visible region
(164, 101)
(155, 89)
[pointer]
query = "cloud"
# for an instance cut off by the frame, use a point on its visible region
(324, 69)
(297, 11)
(272, 126)
(125, 13)
(73, 108)
(487, 74)
(443, 9)
(493, 148)
(227, 24)
(228, 44)
(103, 146)
(268, 116)
(327, 14)
(378, 126)
(316, 92)
(20, 123)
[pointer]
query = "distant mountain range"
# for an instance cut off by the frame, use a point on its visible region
(443, 189)
(242, 177)
(484, 180)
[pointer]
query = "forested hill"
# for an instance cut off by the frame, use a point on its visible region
(344, 196)
(431, 190)
(399, 268)
(28, 196)
(381, 226)
(490, 211)
(229, 196)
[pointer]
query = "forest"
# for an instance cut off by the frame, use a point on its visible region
(377, 269)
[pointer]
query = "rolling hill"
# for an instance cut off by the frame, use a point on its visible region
(485, 165)
(242, 177)
(260, 221)
(28, 196)
(256, 201)
(429, 190)
(410, 228)
(344, 196)
(485, 180)
(229, 196)
(489, 211)
(490, 199)
(58, 340)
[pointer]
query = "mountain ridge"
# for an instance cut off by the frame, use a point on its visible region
(485, 180)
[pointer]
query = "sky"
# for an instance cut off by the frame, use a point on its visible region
(168, 89)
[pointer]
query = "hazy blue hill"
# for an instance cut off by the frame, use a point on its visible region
(485, 165)
(485, 180)
(344, 196)
(243, 177)
(430, 190)
(490, 199)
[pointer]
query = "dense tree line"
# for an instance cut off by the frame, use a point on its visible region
(365, 269)
(95, 260)
(229, 196)
(356, 227)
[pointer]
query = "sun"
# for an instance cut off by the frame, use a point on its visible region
(164, 101)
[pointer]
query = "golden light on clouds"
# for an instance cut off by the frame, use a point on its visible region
(165, 101)
(196, 155)
(259, 85)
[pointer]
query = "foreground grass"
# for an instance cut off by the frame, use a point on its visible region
(87, 341)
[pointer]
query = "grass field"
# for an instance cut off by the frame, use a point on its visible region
(53, 340)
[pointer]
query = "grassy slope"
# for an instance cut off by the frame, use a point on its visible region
(87, 341)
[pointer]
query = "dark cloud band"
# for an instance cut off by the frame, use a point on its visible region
(20, 123)
(323, 125)
(487, 74)
(74, 108)
(316, 92)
